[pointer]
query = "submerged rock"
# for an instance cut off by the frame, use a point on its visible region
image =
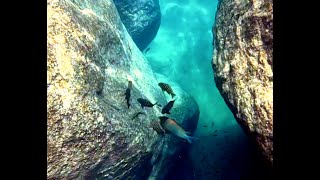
(90, 130)
(141, 18)
(242, 63)
(186, 112)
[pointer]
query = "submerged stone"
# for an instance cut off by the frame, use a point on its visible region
(142, 19)
(242, 63)
(90, 131)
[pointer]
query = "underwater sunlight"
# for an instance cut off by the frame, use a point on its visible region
(182, 51)
(144, 90)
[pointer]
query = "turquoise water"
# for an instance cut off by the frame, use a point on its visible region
(182, 51)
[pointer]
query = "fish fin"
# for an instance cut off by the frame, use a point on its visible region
(155, 104)
(168, 112)
(173, 95)
(176, 122)
(188, 132)
(190, 139)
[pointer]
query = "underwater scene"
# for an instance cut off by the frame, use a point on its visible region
(160, 89)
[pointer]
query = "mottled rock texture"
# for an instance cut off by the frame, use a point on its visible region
(90, 58)
(186, 113)
(90, 131)
(142, 19)
(242, 64)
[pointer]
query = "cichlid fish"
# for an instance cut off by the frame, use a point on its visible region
(172, 126)
(157, 127)
(167, 88)
(145, 103)
(166, 109)
(147, 50)
(128, 93)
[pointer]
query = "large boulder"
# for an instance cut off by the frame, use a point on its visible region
(90, 131)
(242, 63)
(142, 19)
(186, 113)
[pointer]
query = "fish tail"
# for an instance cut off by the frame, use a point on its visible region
(155, 103)
(190, 139)
(173, 95)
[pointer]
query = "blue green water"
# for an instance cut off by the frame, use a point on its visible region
(182, 51)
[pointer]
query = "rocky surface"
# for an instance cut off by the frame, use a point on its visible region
(242, 64)
(90, 59)
(90, 131)
(141, 18)
(186, 113)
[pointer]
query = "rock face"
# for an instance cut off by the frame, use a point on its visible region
(141, 18)
(90, 131)
(90, 58)
(242, 63)
(186, 113)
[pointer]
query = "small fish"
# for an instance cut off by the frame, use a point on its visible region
(172, 126)
(215, 135)
(157, 127)
(205, 126)
(147, 50)
(137, 114)
(163, 118)
(145, 103)
(166, 109)
(216, 130)
(128, 93)
(167, 88)
(212, 124)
